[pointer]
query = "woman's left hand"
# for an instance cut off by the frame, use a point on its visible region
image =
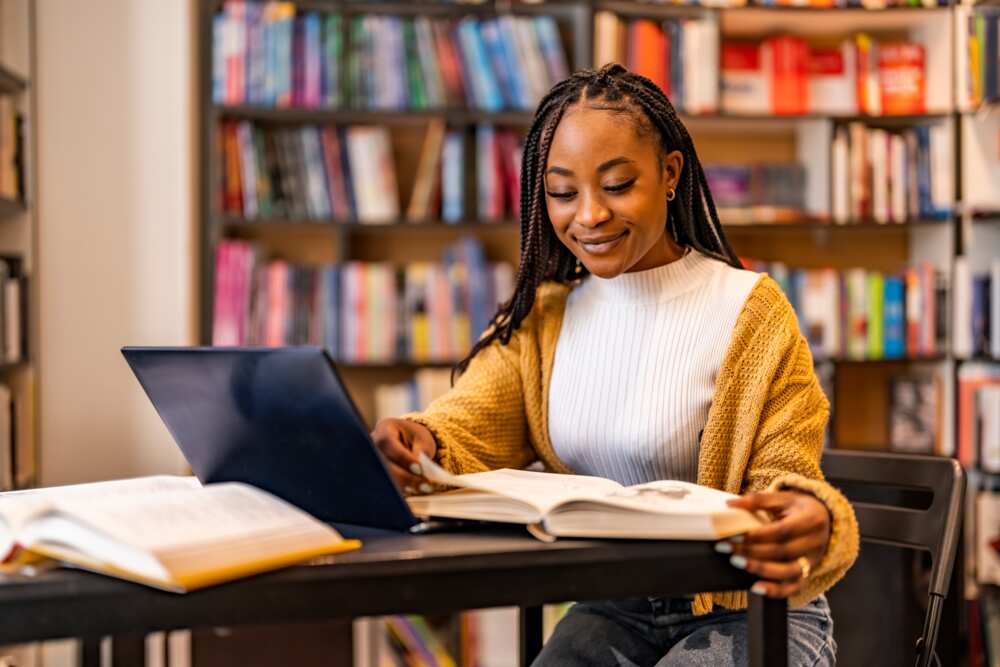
(801, 528)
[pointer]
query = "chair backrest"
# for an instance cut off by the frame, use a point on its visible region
(911, 501)
(905, 500)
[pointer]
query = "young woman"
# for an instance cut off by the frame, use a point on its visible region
(636, 348)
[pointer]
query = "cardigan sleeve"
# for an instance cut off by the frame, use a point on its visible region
(787, 448)
(480, 423)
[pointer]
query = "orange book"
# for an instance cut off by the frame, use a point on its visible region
(232, 201)
(647, 51)
(786, 61)
(901, 78)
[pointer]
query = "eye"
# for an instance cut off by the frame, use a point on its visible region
(621, 187)
(561, 195)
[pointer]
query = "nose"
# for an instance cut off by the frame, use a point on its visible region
(592, 211)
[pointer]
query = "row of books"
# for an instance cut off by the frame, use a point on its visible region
(747, 193)
(891, 176)
(308, 172)
(977, 310)
(978, 436)
(859, 314)
(270, 54)
(678, 54)
(786, 74)
(983, 43)
(362, 312)
(348, 173)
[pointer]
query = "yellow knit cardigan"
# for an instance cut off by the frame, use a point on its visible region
(764, 429)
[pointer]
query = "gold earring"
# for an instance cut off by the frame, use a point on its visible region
(671, 194)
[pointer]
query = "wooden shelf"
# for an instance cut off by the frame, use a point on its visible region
(231, 223)
(13, 366)
(11, 83)
(293, 116)
(10, 207)
(811, 225)
(399, 364)
(930, 359)
(434, 7)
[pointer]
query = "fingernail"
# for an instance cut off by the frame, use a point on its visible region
(425, 488)
(408, 490)
(724, 547)
(758, 589)
(738, 561)
(736, 539)
(416, 469)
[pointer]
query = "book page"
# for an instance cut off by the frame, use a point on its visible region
(17, 507)
(539, 489)
(670, 497)
(216, 515)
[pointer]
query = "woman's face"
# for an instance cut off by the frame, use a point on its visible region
(606, 192)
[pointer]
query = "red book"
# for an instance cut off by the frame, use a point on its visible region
(787, 63)
(335, 175)
(647, 51)
(901, 78)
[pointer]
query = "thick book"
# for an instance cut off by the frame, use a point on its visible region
(167, 532)
(582, 506)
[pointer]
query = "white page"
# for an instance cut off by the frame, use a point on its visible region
(671, 497)
(17, 507)
(538, 489)
(182, 519)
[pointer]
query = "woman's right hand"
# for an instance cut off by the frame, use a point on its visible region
(401, 441)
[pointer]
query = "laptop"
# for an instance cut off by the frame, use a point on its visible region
(279, 419)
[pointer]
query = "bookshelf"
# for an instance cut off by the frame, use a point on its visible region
(18, 288)
(858, 387)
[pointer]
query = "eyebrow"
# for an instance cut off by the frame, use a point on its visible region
(604, 166)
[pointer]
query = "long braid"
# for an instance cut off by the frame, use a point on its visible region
(693, 221)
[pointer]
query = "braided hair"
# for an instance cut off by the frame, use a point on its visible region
(692, 219)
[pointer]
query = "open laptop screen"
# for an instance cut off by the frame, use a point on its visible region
(277, 418)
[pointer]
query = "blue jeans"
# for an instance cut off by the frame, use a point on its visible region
(662, 632)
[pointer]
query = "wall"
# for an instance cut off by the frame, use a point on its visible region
(116, 253)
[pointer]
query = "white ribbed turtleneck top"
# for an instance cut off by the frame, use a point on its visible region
(635, 368)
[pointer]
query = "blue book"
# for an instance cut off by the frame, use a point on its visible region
(519, 70)
(312, 68)
(255, 57)
(486, 90)
(981, 314)
(452, 177)
(924, 172)
(493, 41)
(893, 318)
(551, 45)
(218, 58)
(283, 30)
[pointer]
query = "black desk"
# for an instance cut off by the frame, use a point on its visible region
(397, 574)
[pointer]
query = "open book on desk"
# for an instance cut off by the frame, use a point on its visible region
(581, 506)
(167, 532)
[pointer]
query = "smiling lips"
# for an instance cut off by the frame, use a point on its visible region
(601, 245)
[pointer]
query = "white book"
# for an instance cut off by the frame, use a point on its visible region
(373, 174)
(942, 167)
(995, 308)
(878, 146)
(581, 506)
(607, 28)
(248, 167)
(840, 172)
(989, 415)
(166, 532)
(12, 320)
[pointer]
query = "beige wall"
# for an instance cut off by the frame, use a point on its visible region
(116, 242)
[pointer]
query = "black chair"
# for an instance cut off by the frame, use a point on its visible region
(910, 501)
